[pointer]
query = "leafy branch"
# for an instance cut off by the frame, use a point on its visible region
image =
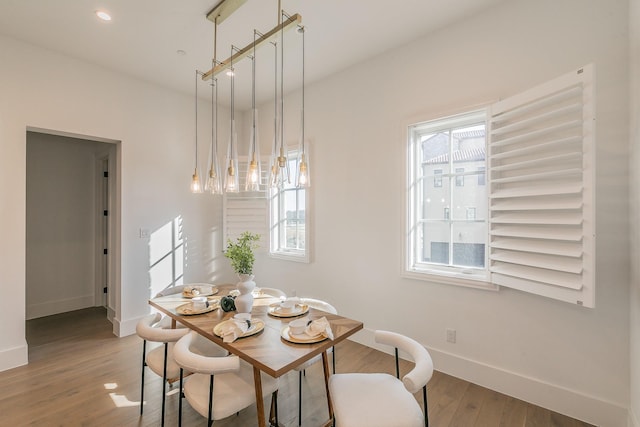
(241, 252)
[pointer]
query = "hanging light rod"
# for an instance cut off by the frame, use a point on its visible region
(291, 22)
(224, 9)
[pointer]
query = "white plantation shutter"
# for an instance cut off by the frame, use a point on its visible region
(542, 155)
(247, 211)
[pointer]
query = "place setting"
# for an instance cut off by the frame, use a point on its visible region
(307, 331)
(198, 305)
(241, 325)
(199, 290)
(290, 307)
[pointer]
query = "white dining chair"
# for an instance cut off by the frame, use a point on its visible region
(219, 386)
(380, 399)
(324, 306)
(274, 292)
(155, 328)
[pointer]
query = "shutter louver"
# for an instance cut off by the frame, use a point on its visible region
(246, 211)
(541, 155)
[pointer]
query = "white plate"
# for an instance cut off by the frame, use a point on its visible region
(301, 338)
(299, 309)
(256, 326)
(188, 310)
(214, 290)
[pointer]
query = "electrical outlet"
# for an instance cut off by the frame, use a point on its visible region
(451, 335)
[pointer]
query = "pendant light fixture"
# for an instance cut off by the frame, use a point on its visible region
(302, 176)
(252, 181)
(273, 160)
(281, 164)
(231, 175)
(195, 179)
(212, 185)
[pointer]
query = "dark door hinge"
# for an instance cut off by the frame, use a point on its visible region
(105, 174)
(105, 251)
(104, 290)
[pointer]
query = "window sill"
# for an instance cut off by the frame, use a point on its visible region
(289, 256)
(452, 278)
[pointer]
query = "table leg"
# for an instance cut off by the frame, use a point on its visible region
(257, 379)
(325, 367)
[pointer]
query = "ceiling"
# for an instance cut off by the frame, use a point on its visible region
(144, 37)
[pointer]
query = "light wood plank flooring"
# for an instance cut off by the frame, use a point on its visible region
(80, 374)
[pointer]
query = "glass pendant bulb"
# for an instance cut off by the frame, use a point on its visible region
(195, 182)
(253, 177)
(273, 159)
(254, 172)
(302, 175)
(195, 178)
(212, 183)
(231, 163)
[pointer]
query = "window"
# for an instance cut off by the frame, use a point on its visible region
(288, 219)
(481, 176)
(471, 214)
(442, 236)
(459, 177)
(437, 178)
(529, 223)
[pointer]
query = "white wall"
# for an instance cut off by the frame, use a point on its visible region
(564, 357)
(155, 128)
(567, 358)
(61, 216)
(634, 71)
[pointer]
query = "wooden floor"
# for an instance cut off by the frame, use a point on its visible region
(80, 374)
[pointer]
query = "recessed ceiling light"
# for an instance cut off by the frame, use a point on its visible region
(103, 15)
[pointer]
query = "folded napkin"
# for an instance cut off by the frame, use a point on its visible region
(232, 329)
(319, 326)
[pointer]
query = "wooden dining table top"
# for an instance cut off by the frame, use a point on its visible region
(267, 350)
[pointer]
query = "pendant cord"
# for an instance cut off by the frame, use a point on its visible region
(303, 31)
(196, 91)
(282, 83)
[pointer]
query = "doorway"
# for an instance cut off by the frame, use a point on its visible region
(71, 223)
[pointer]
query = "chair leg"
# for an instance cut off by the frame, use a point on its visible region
(397, 364)
(333, 356)
(299, 398)
(210, 419)
(144, 351)
(164, 381)
(180, 396)
(273, 411)
(426, 413)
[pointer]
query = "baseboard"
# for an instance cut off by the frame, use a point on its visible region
(14, 357)
(569, 402)
(59, 306)
(126, 327)
(633, 419)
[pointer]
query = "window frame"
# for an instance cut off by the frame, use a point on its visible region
(461, 276)
(277, 218)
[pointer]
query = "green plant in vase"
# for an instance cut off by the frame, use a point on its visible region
(241, 255)
(240, 252)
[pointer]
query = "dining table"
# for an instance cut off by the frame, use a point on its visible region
(270, 350)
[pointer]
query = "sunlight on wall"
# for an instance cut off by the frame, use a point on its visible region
(166, 254)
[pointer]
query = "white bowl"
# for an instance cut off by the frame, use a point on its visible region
(298, 326)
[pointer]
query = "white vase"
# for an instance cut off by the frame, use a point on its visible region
(244, 301)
